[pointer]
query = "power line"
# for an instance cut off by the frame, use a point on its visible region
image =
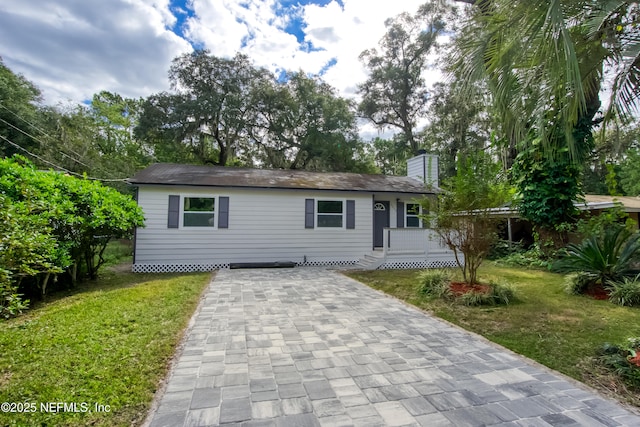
(39, 140)
(43, 132)
(26, 121)
(60, 167)
(34, 155)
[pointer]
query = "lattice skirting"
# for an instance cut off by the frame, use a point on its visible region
(418, 264)
(189, 268)
(327, 263)
(176, 268)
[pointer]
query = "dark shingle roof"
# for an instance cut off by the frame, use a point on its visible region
(219, 176)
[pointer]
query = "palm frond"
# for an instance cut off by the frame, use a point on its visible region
(607, 257)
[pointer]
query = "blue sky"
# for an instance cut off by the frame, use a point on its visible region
(72, 49)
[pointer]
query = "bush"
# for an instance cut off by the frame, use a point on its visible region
(617, 359)
(11, 303)
(504, 248)
(499, 294)
(534, 258)
(607, 258)
(52, 223)
(502, 293)
(577, 283)
(434, 283)
(625, 292)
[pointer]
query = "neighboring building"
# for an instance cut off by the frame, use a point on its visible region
(596, 204)
(200, 218)
(517, 228)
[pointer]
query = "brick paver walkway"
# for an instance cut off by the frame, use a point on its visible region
(311, 347)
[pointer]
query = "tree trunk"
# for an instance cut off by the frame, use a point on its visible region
(73, 272)
(43, 286)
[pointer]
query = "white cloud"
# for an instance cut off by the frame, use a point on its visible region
(72, 49)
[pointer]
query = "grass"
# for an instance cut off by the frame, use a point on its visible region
(107, 342)
(558, 330)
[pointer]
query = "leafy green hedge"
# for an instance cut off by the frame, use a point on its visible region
(53, 223)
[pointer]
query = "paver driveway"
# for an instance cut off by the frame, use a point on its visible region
(310, 347)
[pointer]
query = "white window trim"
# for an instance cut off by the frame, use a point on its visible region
(201, 196)
(406, 214)
(344, 213)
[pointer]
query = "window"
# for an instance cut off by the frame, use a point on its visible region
(330, 213)
(413, 210)
(199, 212)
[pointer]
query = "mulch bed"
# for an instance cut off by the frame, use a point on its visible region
(461, 288)
(597, 291)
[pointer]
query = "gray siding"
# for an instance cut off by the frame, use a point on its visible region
(263, 226)
(424, 167)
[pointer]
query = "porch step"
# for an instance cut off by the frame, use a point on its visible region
(371, 261)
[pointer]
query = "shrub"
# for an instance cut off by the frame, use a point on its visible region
(625, 292)
(577, 283)
(504, 248)
(534, 257)
(11, 303)
(434, 283)
(606, 258)
(617, 359)
(51, 223)
(502, 293)
(499, 294)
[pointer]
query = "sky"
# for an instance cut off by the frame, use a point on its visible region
(72, 49)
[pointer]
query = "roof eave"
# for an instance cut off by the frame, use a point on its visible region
(252, 187)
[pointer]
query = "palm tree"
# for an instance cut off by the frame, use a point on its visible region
(546, 61)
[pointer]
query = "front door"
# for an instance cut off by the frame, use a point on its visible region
(380, 221)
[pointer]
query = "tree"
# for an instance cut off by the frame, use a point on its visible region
(116, 118)
(459, 126)
(462, 216)
(614, 155)
(548, 189)
(544, 65)
(630, 172)
(395, 94)
(300, 123)
(208, 115)
(18, 111)
(549, 57)
(391, 155)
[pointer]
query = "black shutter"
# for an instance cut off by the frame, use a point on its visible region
(351, 214)
(223, 212)
(174, 212)
(309, 213)
(400, 222)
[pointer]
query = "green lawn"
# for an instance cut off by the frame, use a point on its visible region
(107, 343)
(558, 330)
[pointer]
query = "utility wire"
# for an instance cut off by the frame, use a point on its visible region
(60, 167)
(41, 142)
(34, 155)
(27, 121)
(45, 134)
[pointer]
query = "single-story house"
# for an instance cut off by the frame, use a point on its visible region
(519, 229)
(200, 218)
(596, 204)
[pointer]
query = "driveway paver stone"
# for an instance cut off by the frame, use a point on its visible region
(311, 347)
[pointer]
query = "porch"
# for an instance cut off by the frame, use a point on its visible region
(409, 248)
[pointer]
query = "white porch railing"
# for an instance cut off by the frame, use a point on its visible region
(399, 241)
